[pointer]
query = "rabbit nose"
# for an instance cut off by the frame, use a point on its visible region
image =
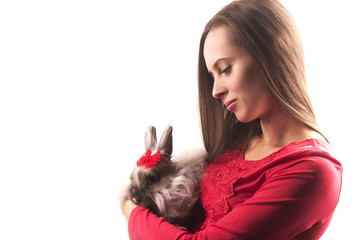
(135, 195)
(136, 200)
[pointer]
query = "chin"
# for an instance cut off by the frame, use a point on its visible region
(243, 118)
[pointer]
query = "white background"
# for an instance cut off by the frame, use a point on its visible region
(81, 80)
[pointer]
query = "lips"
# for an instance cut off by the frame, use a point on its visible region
(230, 105)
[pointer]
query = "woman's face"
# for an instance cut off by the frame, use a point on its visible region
(237, 81)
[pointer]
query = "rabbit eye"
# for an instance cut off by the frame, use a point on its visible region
(153, 178)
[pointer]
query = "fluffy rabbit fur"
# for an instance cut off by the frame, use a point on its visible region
(170, 188)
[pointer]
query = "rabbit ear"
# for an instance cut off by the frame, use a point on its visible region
(150, 138)
(165, 145)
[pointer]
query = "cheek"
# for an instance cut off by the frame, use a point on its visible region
(251, 107)
(247, 81)
(249, 89)
(255, 99)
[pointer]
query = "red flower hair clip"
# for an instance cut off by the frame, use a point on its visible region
(149, 160)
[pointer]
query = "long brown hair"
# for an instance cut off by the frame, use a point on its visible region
(265, 30)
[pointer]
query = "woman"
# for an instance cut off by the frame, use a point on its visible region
(270, 174)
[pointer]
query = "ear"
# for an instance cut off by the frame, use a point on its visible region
(165, 145)
(150, 139)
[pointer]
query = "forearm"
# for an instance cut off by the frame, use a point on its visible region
(143, 224)
(127, 206)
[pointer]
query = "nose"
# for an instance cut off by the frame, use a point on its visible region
(135, 195)
(219, 90)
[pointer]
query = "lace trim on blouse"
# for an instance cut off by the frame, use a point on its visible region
(220, 176)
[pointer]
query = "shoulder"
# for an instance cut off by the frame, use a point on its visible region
(313, 150)
(309, 162)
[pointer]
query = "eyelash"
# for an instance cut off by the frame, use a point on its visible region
(225, 70)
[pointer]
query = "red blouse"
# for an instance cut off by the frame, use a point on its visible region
(290, 194)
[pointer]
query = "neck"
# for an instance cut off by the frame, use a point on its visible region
(280, 129)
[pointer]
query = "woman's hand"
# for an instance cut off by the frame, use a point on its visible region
(127, 206)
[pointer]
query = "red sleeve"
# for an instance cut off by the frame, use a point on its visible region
(296, 201)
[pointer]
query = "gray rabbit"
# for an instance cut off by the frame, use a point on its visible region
(168, 187)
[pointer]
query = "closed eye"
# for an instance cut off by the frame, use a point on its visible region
(225, 70)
